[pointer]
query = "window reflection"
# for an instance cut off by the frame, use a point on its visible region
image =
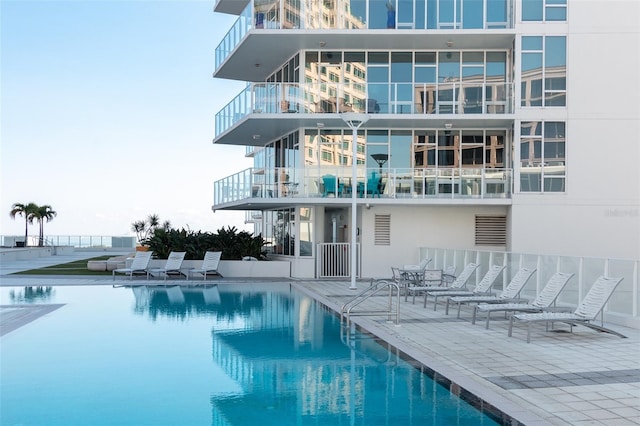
(543, 71)
(542, 157)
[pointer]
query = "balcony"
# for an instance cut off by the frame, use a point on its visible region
(255, 189)
(262, 28)
(302, 105)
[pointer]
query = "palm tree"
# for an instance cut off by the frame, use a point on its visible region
(42, 214)
(144, 229)
(27, 211)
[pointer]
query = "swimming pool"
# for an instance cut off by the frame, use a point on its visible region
(236, 354)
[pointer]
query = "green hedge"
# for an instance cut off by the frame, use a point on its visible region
(233, 244)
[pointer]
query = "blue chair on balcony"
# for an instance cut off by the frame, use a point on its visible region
(331, 186)
(374, 185)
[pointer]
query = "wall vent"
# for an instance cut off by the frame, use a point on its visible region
(491, 230)
(382, 235)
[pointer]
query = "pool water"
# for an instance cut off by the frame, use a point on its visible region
(237, 354)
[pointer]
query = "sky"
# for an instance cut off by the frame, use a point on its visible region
(107, 114)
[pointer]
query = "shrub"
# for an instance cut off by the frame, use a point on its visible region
(233, 244)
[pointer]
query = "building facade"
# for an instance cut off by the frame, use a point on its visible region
(491, 124)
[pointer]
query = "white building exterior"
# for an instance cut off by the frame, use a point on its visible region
(508, 125)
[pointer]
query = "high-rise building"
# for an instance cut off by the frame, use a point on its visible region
(486, 124)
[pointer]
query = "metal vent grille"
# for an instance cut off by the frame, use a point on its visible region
(491, 230)
(382, 230)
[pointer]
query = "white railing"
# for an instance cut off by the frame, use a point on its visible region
(320, 15)
(453, 97)
(319, 182)
(77, 241)
(621, 309)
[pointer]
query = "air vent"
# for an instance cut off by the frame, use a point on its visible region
(491, 230)
(382, 230)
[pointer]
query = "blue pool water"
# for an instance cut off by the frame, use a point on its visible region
(237, 354)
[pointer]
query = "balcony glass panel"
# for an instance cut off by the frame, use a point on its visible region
(336, 182)
(400, 98)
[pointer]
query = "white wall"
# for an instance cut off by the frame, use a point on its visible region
(415, 227)
(599, 215)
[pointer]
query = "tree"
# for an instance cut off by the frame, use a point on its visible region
(27, 211)
(42, 214)
(144, 229)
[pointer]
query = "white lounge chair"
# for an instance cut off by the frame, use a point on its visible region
(173, 265)
(458, 284)
(587, 311)
(416, 268)
(510, 293)
(209, 265)
(482, 288)
(545, 299)
(138, 266)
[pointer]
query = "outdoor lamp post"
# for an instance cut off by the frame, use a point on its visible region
(354, 120)
(380, 159)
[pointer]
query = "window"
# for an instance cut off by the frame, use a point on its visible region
(542, 156)
(544, 10)
(543, 78)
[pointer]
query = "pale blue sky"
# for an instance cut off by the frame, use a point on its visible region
(107, 114)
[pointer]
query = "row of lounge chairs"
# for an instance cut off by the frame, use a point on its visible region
(172, 266)
(542, 309)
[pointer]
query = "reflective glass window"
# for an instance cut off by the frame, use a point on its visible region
(532, 10)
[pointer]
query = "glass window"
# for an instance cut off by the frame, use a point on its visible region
(400, 149)
(401, 66)
(496, 13)
(532, 10)
(472, 11)
(544, 10)
(543, 71)
(555, 59)
(555, 10)
(542, 157)
(306, 231)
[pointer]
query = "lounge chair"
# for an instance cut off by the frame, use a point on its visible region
(545, 299)
(482, 288)
(138, 266)
(587, 311)
(209, 265)
(459, 283)
(416, 268)
(172, 266)
(510, 293)
(449, 274)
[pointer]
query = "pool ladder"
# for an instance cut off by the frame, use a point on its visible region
(374, 288)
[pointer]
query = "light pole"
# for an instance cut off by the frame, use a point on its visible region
(354, 120)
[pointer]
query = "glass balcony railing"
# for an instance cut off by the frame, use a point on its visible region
(366, 14)
(336, 182)
(374, 98)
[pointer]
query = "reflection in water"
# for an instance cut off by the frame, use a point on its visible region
(292, 361)
(31, 294)
(183, 302)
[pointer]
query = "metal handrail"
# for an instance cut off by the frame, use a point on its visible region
(375, 287)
